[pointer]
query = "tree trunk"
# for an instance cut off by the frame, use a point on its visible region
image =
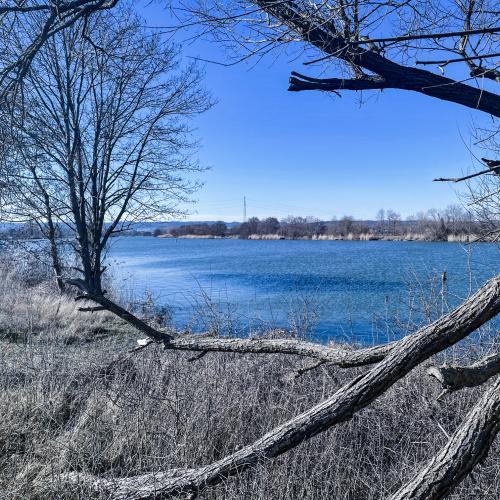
(467, 447)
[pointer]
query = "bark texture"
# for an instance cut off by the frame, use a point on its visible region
(342, 357)
(341, 406)
(454, 378)
(467, 447)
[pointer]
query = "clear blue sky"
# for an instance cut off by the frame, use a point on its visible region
(310, 153)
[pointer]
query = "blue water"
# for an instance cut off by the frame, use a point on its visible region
(339, 290)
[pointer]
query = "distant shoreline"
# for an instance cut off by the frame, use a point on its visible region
(350, 237)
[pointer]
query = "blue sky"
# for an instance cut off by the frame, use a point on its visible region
(309, 153)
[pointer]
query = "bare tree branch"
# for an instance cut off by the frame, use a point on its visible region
(319, 34)
(425, 36)
(300, 82)
(454, 378)
(458, 59)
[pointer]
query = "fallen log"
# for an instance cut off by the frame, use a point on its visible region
(342, 357)
(340, 407)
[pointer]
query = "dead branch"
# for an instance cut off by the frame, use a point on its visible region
(158, 336)
(445, 62)
(428, 36)
(454, 378)
(464, 178)
(300, 371)
(342, 357)
(300, 82)
(341, 406)
(92, 309)
(197, 356)
(493, 168)
(467, 447)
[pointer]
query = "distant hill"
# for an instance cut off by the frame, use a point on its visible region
(139, 226)
(151, 226)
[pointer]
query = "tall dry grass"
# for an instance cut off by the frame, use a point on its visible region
(39, 312)
(157, 410)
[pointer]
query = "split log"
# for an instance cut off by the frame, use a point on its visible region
(340, 407)
(467, 447)
(454, 378)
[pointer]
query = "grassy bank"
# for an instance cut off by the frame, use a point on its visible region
(156, 410)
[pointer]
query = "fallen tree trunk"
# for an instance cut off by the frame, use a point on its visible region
(453, 378)
(342, 357)
(467, 447)
(340, 407)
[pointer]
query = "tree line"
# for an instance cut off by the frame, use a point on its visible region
(434, 224)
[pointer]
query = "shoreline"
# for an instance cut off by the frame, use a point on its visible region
(472, 238)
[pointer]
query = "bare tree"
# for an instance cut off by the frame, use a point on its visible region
(103, 135)
(393, 221)
(380, 218)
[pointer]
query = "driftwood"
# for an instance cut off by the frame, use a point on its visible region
(340, 407)
(467, 447)
(453, 378)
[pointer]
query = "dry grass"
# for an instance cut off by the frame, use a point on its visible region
(156, 410)
(28, 312)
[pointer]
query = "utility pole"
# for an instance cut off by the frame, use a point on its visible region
(244, 208)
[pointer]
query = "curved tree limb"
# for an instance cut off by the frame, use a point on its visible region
(342, 357)
(454, 378)
(319, 34)
(340, 407)
(467, 447)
